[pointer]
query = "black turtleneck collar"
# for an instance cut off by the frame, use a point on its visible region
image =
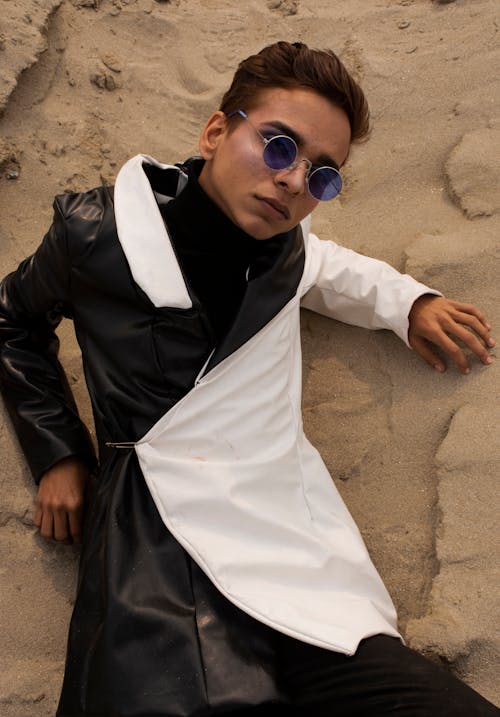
(214, 254)
(207, 214)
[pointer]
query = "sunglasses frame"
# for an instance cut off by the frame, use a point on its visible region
(296, 162)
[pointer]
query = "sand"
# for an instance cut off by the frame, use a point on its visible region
(86, 84)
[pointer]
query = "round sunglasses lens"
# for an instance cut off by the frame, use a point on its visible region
(280, 152)
(324, 183)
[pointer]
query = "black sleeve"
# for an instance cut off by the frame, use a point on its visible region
(33, 300)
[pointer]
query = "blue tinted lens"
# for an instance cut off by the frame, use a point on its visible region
(280, 152)
(324, 183)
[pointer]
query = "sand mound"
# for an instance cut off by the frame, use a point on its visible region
(22, 40)
(473, 172)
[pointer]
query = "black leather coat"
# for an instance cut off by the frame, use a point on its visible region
(150, 635)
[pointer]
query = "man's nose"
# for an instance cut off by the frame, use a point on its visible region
(293, 178)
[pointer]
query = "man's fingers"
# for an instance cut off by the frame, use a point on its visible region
(466, 328)
(47, 524)
(471, 310)
(469, 330)
(461, 317)
(37, 518)
(61, 532)
(423, 348)
(449, 347)
(468, 315)
(473, 343)
(55, 526)
(454, 351)
(476, 326)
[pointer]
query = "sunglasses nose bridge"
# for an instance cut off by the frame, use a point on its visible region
(308, 164)
(294, 180)
(298, 165)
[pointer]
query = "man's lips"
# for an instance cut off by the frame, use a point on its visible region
(276, 205)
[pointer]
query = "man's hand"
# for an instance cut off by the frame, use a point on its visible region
(60, 501)
(440, 321)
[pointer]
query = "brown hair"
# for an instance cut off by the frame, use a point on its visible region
(286, 64)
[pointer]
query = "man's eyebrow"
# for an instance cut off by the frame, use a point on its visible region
(323, 159)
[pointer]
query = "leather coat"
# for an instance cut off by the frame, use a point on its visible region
(150, 633)
(142, 601)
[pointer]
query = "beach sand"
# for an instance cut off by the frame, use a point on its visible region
(84, 85)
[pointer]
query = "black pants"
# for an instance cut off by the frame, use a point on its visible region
(383, 678)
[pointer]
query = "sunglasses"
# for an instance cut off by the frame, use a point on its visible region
(280, 152)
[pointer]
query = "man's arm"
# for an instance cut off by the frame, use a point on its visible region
(33, 300)
(358, 290)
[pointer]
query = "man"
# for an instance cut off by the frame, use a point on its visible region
(220, 571)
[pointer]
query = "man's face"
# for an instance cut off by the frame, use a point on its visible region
(261, 201)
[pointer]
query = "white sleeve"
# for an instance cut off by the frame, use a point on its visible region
(356, 289)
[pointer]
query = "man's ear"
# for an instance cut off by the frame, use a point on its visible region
(212, 133)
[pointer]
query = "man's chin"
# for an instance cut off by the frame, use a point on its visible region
(261, 230)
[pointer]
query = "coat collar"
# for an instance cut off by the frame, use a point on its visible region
(143, 235)
(154, 266)
(266, 295)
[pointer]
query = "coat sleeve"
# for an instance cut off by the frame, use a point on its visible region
(33, 300)
(356, 289)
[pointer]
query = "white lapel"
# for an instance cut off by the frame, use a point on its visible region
(144, 238)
